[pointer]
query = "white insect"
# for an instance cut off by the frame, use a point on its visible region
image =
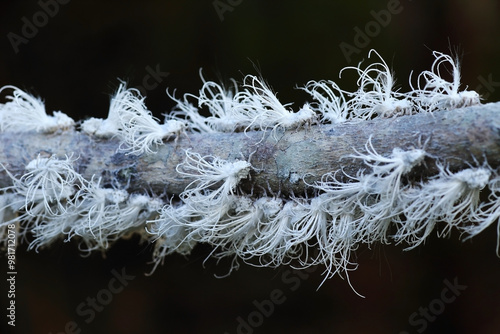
(433, 92)
(130, 121)
(189, 113)
(171, 232)
(47, 185)
(224, 106)
(274, 242)
(265, 110)
(111, 126)
(24, 113)
(376, 96)
(374, 196)
(331, 103)
(449, 197)
(214, 178)
(140, 130)
(487, 213)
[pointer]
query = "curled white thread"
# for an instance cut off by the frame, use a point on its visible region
(171, 232)
(375, 196)
(376, 96)
(331, 103)
(209, 171)
(111, 126)
(140, 130)
(266, 111)
(487, 213)
(47, 186)
(450, 198)
(225, 106)
(184, 109)
(434, 92)
(24, 113)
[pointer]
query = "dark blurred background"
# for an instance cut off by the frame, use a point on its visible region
(72, 53)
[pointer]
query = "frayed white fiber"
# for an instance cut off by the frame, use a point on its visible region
(240, 231)
(206, 200)
(374, 196)
(487, 213)
(125, 99)
(8, 216)
(255, 107)
(111, 126)
(106, 214)
(24, 113)
(274, 245)
(130, 121)
(44, 195)
(331, 103)
(451, 198)
(436, 93)
(47, 186)
(266, 111)
(171, 232)
(239, 226)
(207, 173)
(384, 180)
(187, 111)
(376, 96)
(139, 130)
(224, 106)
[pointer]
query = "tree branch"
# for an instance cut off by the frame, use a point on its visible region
(462, 138)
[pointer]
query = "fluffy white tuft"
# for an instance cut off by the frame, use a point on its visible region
(331, 103)
(450, 198)
(210, 172)
(375, 96)
(25, 113)
(436, 93)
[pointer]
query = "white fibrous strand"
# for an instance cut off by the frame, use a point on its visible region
(451, 198)
(434, 92)
(223, 105)
(382, 189)
(171, 231)
(24, 113)
(274, 245)
(376, 96)
(266, 111)
(228, 108)
(130, 121)
(140, 131)
(214, 179)
(487, 213)
(47, 185)
(330, 101)
(185, 110)
(373, 197)
(111, 126)
(9, 218)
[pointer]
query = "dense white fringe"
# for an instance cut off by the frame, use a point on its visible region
(206, 173)
(450, 198)
(375, 96)
(433, 92)
(24, 113)
(377, 205)
(130, 121)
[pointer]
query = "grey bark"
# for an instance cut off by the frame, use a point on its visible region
(461, 138)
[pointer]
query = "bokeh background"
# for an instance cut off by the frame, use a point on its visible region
(74, 60)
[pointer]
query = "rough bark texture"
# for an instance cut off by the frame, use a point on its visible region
(462, 137)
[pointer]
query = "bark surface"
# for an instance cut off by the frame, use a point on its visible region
(282, 160)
